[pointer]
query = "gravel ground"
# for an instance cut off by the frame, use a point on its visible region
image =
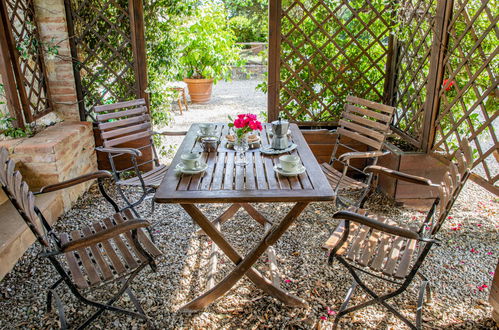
(458, 269)
(228, 98)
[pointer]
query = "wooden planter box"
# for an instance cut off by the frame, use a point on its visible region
(416, 163)
(122, 162)
(410, 195)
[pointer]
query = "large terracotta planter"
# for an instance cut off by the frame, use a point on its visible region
(199, 89)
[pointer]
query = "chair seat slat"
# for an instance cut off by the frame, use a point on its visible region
(88, 265)
(103, 265)
(74, 268)
(122, 248)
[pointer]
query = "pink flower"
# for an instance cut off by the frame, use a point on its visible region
(323, 318)
(473, 250)
(491, 273)
(482, 287)
(448, 84)
(287, 281)
(479, 225)
(489, 253)
(330, 311)
(239, 123)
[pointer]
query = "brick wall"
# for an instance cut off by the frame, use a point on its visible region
(51, 18)
(58, 153)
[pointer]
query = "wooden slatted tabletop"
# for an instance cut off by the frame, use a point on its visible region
(223, 181)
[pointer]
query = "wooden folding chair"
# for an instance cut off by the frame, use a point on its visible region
(367, 123)
(129, 122)
(369, 244)
(111, 250)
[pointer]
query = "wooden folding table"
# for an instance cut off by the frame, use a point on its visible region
(223, 182)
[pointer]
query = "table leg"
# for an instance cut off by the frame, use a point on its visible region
(243, 266)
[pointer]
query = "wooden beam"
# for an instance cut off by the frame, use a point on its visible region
(74, 59)
(7, 74)
(435, 75)
(137, 30)
(275, 7)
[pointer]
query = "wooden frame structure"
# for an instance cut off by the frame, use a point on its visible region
(22, 63)
(444, 91)
(119, 54)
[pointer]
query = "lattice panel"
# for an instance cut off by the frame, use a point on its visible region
(104, 48)
(331, 49)
(415, 31)
(35, 97)
(469, 95)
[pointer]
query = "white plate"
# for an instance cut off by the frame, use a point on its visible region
(181, 169)
(300, 170)
(270, 151)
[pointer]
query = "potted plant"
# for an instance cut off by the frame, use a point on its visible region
(208, 51)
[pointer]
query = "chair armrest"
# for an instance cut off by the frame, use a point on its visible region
(104, 235)
(359, 154)
(347, 215)
(400, 175)
(75, 181)
(130, 151)
(170, 133)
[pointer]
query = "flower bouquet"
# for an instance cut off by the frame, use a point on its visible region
(242, 126)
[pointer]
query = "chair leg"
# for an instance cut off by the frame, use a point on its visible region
(376, 299)
(419, 309)
(344, 304)
(108, 305)
(50, 294)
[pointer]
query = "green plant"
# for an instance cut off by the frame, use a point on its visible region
(14, 132)
(208, 45)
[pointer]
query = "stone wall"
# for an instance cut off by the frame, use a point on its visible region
(58, 153)
(51, 18)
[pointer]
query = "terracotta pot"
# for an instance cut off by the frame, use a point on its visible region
(199, 89)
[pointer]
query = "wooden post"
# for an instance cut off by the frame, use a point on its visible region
(435, 75)
(8, 79)
(275, 7)
(74, 60)
(139, 47)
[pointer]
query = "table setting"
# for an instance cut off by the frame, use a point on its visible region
(243, 135)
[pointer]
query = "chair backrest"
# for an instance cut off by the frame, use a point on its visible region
(17, 190)
(453, 182)
(365, 122)
(127, 124)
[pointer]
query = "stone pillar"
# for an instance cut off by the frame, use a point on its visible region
(51, 18)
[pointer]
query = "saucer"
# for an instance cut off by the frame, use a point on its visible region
(269, 151)
(300, 170)
(181, 169)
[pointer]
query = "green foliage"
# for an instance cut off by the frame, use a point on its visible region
(318, 71)
(9, 130)
(248, 19)
(162, 19)
(208, 48)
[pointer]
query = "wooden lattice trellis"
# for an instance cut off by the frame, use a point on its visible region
(436, 61)
(108, 49)
(469, 94)
(325, 51)
(413, 45)
(25, 51)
